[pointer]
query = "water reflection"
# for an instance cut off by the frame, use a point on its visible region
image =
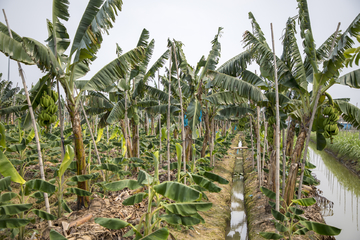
(238, 227)
(341, 187)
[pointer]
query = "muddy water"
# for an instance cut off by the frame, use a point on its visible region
(237, 228)
(342, 188)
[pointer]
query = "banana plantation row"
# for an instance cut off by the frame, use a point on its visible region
(186, 107)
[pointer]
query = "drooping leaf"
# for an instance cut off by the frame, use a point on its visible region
(43, 214)
(111, 223)
(270, 194)
(39, 185)
(321, 228)
(278, 215)
(8, 170)
(6, 197)
(137, 198)
(215, 177)
(280, 227)
(144, 178)
(79, 192)
(160, 234)
(176, 219)
(177, 192)
(205, 183)
(5, 183)
(187, 209)
(11, 209)
(270, 235)
(54, 235)
(304, 201)
(13, 222)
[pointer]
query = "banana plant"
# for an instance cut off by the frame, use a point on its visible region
(289, 222)
(51, 58)
(181, 209)
(9, 210)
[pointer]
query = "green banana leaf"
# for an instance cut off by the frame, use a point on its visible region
(111, 223)
(39, 185)
(205, 183)
(5, 183)
(187, 209)
(13, 222)
(270, 235)
(8, 170)
(54, 235)
(12, 209)
(160, 234)
(79, 192)
(43, 214)
(176, 219)
(177, 192)
(137, 198)
(321, 228)
(68, 157)
(304, 201)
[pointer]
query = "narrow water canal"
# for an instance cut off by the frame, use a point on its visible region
(341, 187)
(237, 228)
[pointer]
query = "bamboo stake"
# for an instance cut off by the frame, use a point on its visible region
(182, 113)
(252, 144)
(159, 123)
(168, 120)
(46, 199)
(277, 131)
(258, 159)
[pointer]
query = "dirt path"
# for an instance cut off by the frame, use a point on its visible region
(216, 219)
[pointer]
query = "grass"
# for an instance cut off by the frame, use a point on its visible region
(346, 145)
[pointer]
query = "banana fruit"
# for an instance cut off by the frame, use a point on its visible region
(49, 109)
(330, 123)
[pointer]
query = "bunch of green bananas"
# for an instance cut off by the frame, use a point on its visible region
(47, 115)
(330, 123)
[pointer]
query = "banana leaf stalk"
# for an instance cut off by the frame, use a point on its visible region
(168, 120)
(46, 199)
(182, 113)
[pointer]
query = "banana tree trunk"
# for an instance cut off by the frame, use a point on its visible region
(152, 125)
(189, 142)
(82, 201)
(293, 171)
(146, 125)
(206, 135)
(290, 138)
(212, 135)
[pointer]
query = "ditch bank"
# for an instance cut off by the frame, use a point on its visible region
(258, 210)
(218, 217)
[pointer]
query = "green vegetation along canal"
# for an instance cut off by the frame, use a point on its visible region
(342, 188)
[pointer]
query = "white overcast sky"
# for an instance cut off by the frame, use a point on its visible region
(193, 22)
